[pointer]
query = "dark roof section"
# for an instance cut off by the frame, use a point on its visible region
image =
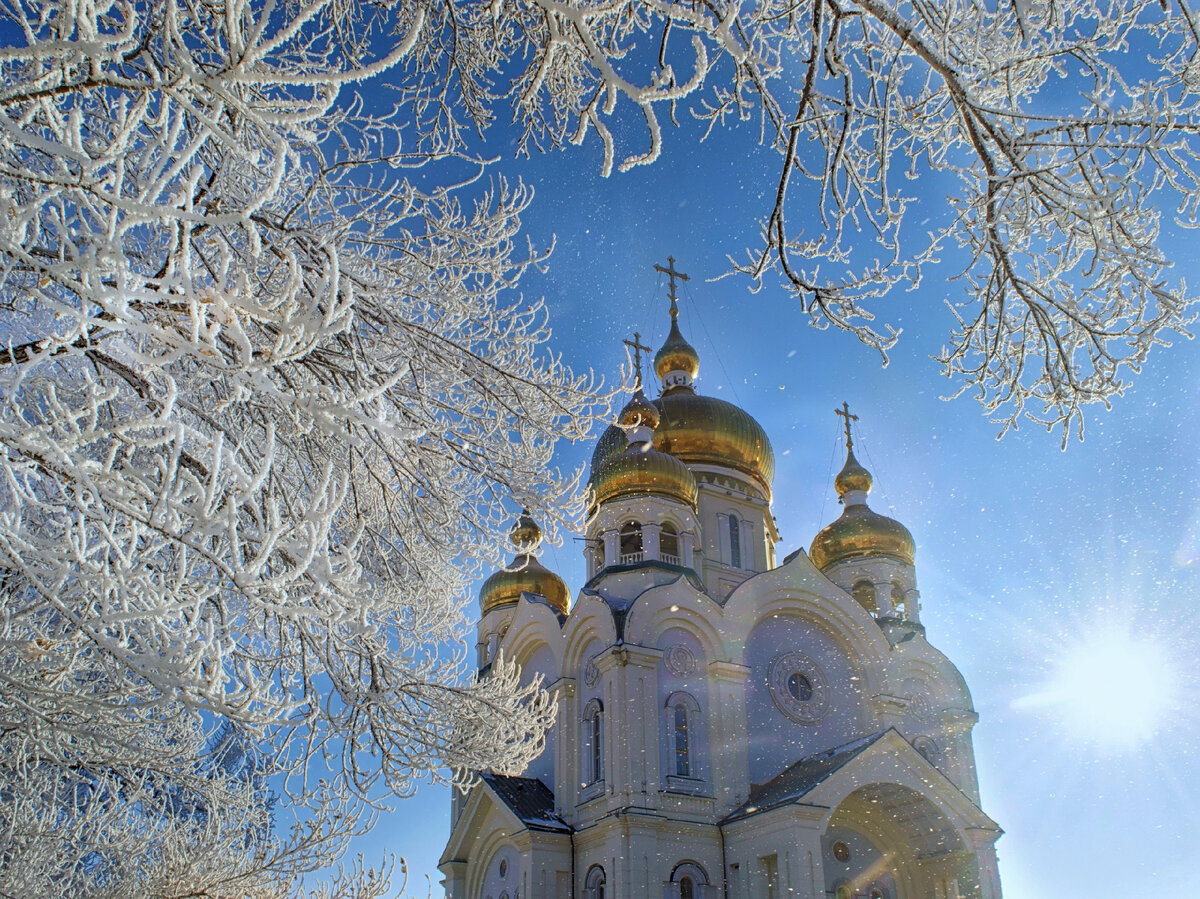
(622, 607)
(530, 800)
(800, 778)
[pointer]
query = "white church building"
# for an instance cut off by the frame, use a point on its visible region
(729, 725)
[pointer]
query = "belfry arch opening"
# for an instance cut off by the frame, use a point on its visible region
(632, 547)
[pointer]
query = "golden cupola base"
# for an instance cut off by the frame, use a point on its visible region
(525, 574)
(860, 532)
(639, 468)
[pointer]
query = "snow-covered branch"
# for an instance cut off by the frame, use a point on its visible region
(1057, 132)
(266, 406)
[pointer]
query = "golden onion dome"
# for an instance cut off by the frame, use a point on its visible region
(525, 574)
(525, 534)
(641, 469)
(676, 354)
(702, 430)
(860, 532)
(639, 412)
(852, 476)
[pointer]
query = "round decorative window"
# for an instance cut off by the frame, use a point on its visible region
(798, 687)
(591, 673)
(503, 867)
(841, 851)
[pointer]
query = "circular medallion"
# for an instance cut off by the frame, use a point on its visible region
(681, 661)
(798, 687)
(591, 673)
(841, 851)
(920, 707)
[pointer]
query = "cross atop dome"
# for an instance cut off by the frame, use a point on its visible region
(637, 346)
(672, 274)
(844, 412)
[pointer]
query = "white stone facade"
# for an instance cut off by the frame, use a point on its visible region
(728, 727)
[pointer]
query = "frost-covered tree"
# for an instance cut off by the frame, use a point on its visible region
(267, 397)
(1054, 131)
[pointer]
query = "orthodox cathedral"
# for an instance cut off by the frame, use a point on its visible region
(730, 726)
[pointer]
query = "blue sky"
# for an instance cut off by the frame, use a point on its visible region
(1028, 556)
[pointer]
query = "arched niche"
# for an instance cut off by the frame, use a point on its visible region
(888, 841)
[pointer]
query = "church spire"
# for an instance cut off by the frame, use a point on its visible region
(677, 363)
(853, 482)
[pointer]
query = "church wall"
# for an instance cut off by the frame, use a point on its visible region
(502, 886)
(541, 662)
(681, 675)
(834, 716)
(589, 690)
(776, 854)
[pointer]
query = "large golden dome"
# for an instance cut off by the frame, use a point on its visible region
(860, 532)
(703, 430)
(525, 574)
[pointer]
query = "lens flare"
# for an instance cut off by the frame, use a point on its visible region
(1110, 688)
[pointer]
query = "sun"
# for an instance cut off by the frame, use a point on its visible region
(1110, 688)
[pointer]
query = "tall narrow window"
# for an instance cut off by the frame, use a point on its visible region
(683, 766)
(597, 744)
(735, 542)
(687, 889)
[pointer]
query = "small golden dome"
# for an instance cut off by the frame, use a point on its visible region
(676, 354)
(704, 430)
(639, 412)
(860, 532)
(525, 534)
(525, 574)
(641, 469)
(852, 476)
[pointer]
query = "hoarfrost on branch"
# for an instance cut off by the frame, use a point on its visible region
(1057, 132)
(266, 402)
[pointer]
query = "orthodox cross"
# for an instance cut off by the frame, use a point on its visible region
(671, 273)
(844, 412)
(637, 346)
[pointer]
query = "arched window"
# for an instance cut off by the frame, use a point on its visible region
(631, 543)
(864, 592)
(593, 885)
(927, 748)
(683, 766)
(898, 599)
(668, 543)
(688, 877)
(735, 542)
(682, 743)
(593, 742)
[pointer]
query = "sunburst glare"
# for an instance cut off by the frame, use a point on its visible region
(1111, 688)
